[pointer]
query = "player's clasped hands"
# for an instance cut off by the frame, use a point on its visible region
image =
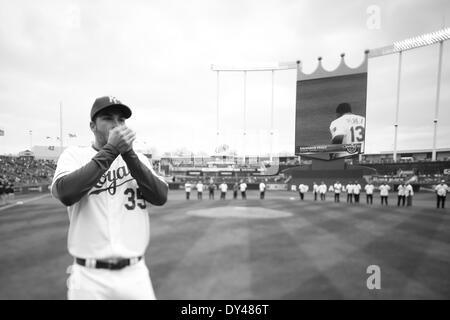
(122, 138)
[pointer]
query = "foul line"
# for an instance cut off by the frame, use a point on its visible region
(23, 202)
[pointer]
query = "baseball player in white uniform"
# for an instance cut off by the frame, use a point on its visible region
(302, 189)
(262, 190)
(337, 191)
(187, 188)
(107, 188)
(349, 189)
(243, 188)
(401, 194)
(348, 128)
(409, 192)
(384, 193)
(223, 190)
(322, 191)
(441, 193)
(199, 188)
(369, 192)
(315, 190)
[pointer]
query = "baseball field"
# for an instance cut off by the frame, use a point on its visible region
(277, 248)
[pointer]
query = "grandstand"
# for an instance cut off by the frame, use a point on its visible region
(26, 170)
(413, 165)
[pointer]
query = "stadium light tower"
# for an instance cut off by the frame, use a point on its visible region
(412, 43)
(409, 44)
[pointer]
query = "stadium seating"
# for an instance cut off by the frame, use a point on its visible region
(26, 170)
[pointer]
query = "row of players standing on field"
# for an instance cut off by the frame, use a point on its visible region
(223, 187)
(405, 192)
(353, 191)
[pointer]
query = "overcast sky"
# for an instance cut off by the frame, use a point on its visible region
(156, 56)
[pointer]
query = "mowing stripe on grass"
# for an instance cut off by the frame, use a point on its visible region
(18, 203)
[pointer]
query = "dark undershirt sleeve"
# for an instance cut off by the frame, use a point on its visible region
(72, 187)
(152, 188)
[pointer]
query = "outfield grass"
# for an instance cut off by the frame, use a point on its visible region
(320, 251)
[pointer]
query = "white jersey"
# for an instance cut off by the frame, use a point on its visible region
(369, 188)
(187, 187)
(384, 190)
(337, 188)
(223, 187)
(356, 188)
(331, 188)
(243, 186)
(409, 190)
(199, 187)
(323, 188)
(111, 220)
(441, 189)
(262, 187)
(351, 126)
(349, 188)
(401, 190)
(315, 188)
(303, 188)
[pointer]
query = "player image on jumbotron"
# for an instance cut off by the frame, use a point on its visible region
(331, 112)
(348, 128)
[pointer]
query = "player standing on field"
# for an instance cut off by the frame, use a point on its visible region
(337, 191)
(356, 191)
(441, 193)
(409, 192)
(187, 188)
(322, 191)
(315, 190)
(107, 188)
(302, 189)
(349, 189)
(369, 192)
(262, 190)
(223, 190)
(384, 193)
(243, 188)
(401, 194)
(199, 188)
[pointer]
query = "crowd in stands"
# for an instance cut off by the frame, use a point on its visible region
(26, 170)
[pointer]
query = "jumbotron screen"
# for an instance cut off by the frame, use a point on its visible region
(321, 132)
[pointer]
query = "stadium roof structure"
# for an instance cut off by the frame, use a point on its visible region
(340, 70)
(412, 151)
(412, 43)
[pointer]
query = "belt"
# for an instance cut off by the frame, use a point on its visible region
(113, 264)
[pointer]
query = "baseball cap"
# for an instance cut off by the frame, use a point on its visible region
(106, 102)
